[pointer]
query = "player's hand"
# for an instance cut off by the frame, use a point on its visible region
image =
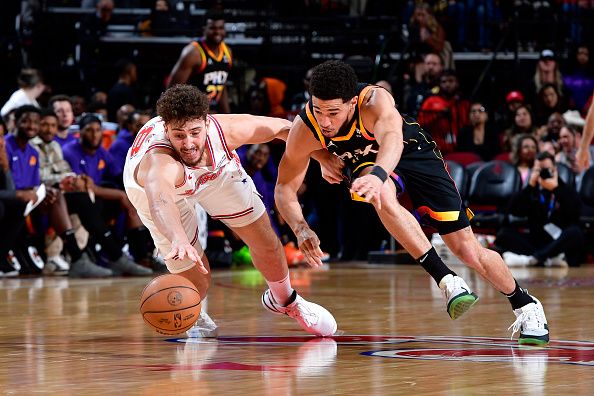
(369, 188)
(179, 251)
(309, 244)
(331, 167)
(582, 159)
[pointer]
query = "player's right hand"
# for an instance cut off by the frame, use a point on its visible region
(309, 244)
(181, 250)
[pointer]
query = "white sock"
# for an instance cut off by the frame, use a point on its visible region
(281, 290)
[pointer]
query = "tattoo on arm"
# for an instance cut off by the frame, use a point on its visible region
(161, 200)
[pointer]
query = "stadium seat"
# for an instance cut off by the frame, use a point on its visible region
(463, 157)
(458, 174)
(491, 187)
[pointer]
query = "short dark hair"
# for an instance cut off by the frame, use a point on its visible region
(332, 80)
(49, 112)
(182, 103)
(28, 78)
(18, 113)
(545, 155)
(88, 119)
(59, 98)
(123, 66)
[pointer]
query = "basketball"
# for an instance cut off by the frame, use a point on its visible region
(170, 304)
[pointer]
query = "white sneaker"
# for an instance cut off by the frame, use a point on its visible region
(458, 295)
(312, 318)
(557, 261)
(532, 324)
(55, 265)
(204, 327)
(518, 260)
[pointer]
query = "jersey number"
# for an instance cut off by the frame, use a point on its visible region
(214, 92)
(140, 138)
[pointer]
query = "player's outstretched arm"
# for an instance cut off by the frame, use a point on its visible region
(380, 115)
(583, 153)
(291, 172)
(157, 170)
(243, 129)
(182, 69)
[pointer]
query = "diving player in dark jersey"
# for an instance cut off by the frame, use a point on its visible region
(385, 152)
(206, 64)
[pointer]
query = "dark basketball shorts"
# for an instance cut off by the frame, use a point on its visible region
(422, 174)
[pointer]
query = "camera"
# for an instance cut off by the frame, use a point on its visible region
(546, 173)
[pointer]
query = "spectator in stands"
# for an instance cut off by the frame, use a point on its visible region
(419, 91)
(11, 212)
(99, 97)
(525, 148)
(206, 63)
(522, 123)
(79, 105)
(549, 101)
(62, 106)
(549, 134)
(162, 21)
(547, 71)
(119, 148)
(275, 92)
(555, 237)
(30, 88)
(300, 99)
(87, 157)
(24, 165)
(100, 110)
(504, 117)
(479, 137)
(427, 35)
(568, 146)
(123, 91)
(95, 25)
(579, 80)
(444, 114)
(122, 116)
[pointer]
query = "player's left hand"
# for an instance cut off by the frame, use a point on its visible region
(369, 188)
(331, 167)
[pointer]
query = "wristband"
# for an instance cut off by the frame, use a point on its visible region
(379, 172)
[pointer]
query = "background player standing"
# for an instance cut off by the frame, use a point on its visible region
(206, 63)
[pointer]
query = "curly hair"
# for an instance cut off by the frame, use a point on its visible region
(332, 80)
(182, 103)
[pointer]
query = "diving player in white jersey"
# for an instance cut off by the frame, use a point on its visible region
(184, 157)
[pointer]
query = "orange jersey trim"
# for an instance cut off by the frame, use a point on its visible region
(313, 121)
(364, 92)
(451, 215)
(202, 56)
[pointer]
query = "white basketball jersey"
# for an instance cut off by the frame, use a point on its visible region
(225, 163)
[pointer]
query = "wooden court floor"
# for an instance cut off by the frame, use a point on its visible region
(86, 337)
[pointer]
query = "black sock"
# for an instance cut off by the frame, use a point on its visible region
(519, 297)
(70, 245)
(433, 264)
(109, 246)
